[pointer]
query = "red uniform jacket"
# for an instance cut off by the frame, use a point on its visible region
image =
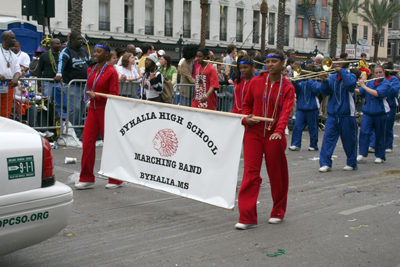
(240, 93)
(254, 101)
(108, 84)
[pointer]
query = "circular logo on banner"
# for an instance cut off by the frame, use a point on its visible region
(165, 142)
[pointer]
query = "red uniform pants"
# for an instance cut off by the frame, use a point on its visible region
(94, 125)
(6, 102)
(254, 146)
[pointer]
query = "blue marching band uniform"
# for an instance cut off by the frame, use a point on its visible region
(341, 119)
(375, 119)
(393, 103)
(307, 113)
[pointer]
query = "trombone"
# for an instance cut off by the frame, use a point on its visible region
(327, 63)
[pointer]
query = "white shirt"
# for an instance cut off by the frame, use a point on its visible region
(132, 73)
(8, 73)
(23, 59)
(180, 61)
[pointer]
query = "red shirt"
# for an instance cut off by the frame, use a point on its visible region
(107, 84)
(254, 103)
(208, 77)
(240, 93)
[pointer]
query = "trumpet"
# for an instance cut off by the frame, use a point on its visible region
(392, 70)
(327, 63)
(297, 71)
(373, 79)
(311, 75)
(240, 53)
(216, 62)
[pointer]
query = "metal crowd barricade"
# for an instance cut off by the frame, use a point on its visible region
(225, 98)
(39, 111)
(129, 89)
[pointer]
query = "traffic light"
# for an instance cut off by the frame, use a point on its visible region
(38, 9)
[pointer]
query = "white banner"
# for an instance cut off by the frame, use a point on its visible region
(186, 152)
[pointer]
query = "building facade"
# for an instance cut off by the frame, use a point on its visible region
(312, 26)
(163, 22)
(393, 45)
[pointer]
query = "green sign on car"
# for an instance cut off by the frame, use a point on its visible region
(20, 167)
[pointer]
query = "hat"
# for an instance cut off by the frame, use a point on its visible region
(119, 50)
(41, 49)
(138, 50)
(161, 52)
(153, 57)
(204, 50)
(319, 56)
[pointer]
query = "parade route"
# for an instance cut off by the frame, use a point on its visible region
(338, 218)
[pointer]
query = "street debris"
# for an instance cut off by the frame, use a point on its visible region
(358, 227)
(352, 220)
(279, 252)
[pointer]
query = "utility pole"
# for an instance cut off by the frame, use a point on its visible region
(203, 6)
(264, 14)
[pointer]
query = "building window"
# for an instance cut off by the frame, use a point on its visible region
(382, 40)
(389, 48)
(324, 3)
(286, 31)
(104, 15)
(365, 35)
(366, 3)
(168, 17)
(311, 31)
(323, 28)
(128, 16)
(390, 24)
(271, 29)
(239, 25)
(149, 17)
(256, 27)
(299, 27)
(187, 7)
(208, 22)
(69, 13)
(222, 23)
(354, 34)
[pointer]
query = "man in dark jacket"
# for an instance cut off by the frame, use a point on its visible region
(47, 68)
(73, 64)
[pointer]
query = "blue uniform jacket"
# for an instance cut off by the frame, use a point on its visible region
(376, 105)
(341, 101)
(394, 91)
(307, 92)
(73, 64)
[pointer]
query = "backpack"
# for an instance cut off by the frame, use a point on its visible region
(168, 91)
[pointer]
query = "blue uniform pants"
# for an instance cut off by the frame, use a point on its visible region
(306, 118)
(389, 130)
(378, 125)
(346, 128)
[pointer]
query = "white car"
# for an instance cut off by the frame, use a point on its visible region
(33, 206)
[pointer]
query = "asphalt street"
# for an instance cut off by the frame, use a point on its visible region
(337, 218)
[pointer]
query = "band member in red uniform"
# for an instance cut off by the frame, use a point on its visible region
(242, 83)
(206, 83)
(102, 78)
(270, 95)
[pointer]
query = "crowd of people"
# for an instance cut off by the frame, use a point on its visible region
(264, 90)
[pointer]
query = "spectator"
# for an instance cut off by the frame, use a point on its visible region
(211, 56)
(318, 59)
(344, 56)
(206, 83)
(47, 68)
(153, 79)
(73, 64)
(113, 59)
(223, 79)
(258, 66)
(35, 62)
(167, 70)
(10, 71)
(137, 57)
(254, 53)
(130, 48)
(147, 50)
(186, 92)
(23, 58)
(231, 54)
(120, 52)
(291, 64)
(127, 71)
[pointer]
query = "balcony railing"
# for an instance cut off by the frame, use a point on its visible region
(149, 30)
(168, 31)
(187, 33)
(256, 38)
(239, 37)
(104, 25)
(222, 36)
(128, 25)
(207, 35)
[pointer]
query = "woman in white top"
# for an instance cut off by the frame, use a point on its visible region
(128, 72)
